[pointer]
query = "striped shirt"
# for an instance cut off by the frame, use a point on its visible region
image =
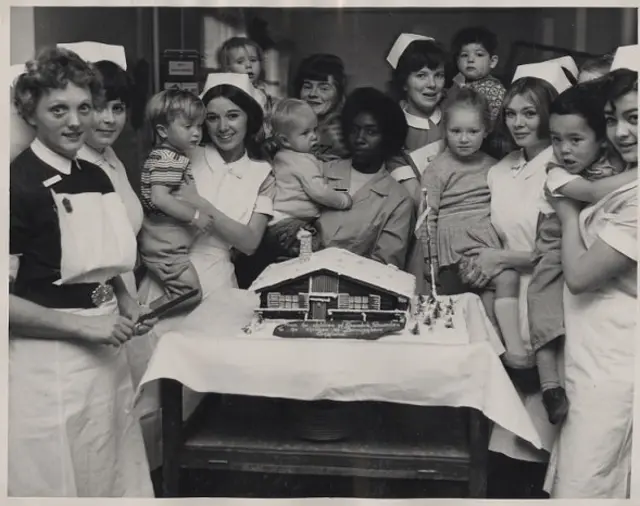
(164, 166)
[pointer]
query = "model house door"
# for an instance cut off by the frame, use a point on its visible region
(318, 310)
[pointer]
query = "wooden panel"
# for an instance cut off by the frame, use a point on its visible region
(260, 439)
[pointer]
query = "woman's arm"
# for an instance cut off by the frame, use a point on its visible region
(28, 319)
(592, 191)
(393, 242)
(585, 269)
(247, 238)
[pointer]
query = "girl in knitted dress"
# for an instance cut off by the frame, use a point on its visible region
(459, 218)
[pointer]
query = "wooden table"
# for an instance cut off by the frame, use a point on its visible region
(393, 441)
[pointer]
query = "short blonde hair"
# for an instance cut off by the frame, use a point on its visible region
(285, 114)
(168, 105)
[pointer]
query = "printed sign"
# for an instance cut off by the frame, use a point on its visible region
(182, 68)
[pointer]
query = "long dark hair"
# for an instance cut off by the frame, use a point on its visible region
(255, 117)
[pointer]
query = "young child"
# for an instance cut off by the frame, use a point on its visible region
(474, 50)
(170, 223)
(460, 216)
(595, 68)
(579, 168)
(242, 55)
(300, 185)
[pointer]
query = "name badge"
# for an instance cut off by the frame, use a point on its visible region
(52, 180)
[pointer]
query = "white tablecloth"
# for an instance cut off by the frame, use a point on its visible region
(210, 353)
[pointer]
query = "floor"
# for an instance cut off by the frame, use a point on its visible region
(508, 479)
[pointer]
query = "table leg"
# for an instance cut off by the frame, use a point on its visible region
(171, 399)
(479, 428)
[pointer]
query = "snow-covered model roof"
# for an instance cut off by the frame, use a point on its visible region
(343, 263)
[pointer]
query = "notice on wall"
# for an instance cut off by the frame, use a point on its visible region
(181, 69)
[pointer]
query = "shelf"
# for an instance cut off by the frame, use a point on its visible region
(388, 441)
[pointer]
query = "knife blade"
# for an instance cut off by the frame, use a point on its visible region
(167, 306)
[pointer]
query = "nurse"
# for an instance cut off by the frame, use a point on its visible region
(522, 173)
(72, 432)
(418, 81)
(109, 121)
(592, 457)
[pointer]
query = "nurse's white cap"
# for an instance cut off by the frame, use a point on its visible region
(568, 63)
(400, 46)
(93, 52)
(240, 81)
(627, 57)
(550, 71)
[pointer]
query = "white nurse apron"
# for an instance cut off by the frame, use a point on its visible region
(515, 223)
(71, 429)
(140, 348)
(592, 457)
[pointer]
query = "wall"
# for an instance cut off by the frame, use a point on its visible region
(362, 38)
(22, 34)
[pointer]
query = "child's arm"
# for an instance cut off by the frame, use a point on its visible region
(162, 198)
(182, 211)
(592, 191)
(310, 177)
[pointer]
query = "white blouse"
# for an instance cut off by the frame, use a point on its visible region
(517, 187)
(237, 189)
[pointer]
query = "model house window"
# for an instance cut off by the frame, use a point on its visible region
(374, 302)
(273, 300)
(289, 301)
(303, 300)
(359, 302)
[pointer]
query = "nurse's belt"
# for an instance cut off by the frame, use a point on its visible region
(240, 81)
(568, 63)
(400, 46)
(549, 71)
(627, 57)
(94, 52)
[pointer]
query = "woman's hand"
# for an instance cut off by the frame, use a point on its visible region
(471, 274)
(111, 330)
(486, 264)
(132, 310)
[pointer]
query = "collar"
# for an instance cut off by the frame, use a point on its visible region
(58, 162)
(522, 164)
(459, 79)
(94, 156)
(215, 161)
(420, 122)
(343, 173)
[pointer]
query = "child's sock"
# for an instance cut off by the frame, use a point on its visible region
(548, 367)
(508, 316)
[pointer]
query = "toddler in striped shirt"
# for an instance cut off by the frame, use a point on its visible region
(174, 213)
